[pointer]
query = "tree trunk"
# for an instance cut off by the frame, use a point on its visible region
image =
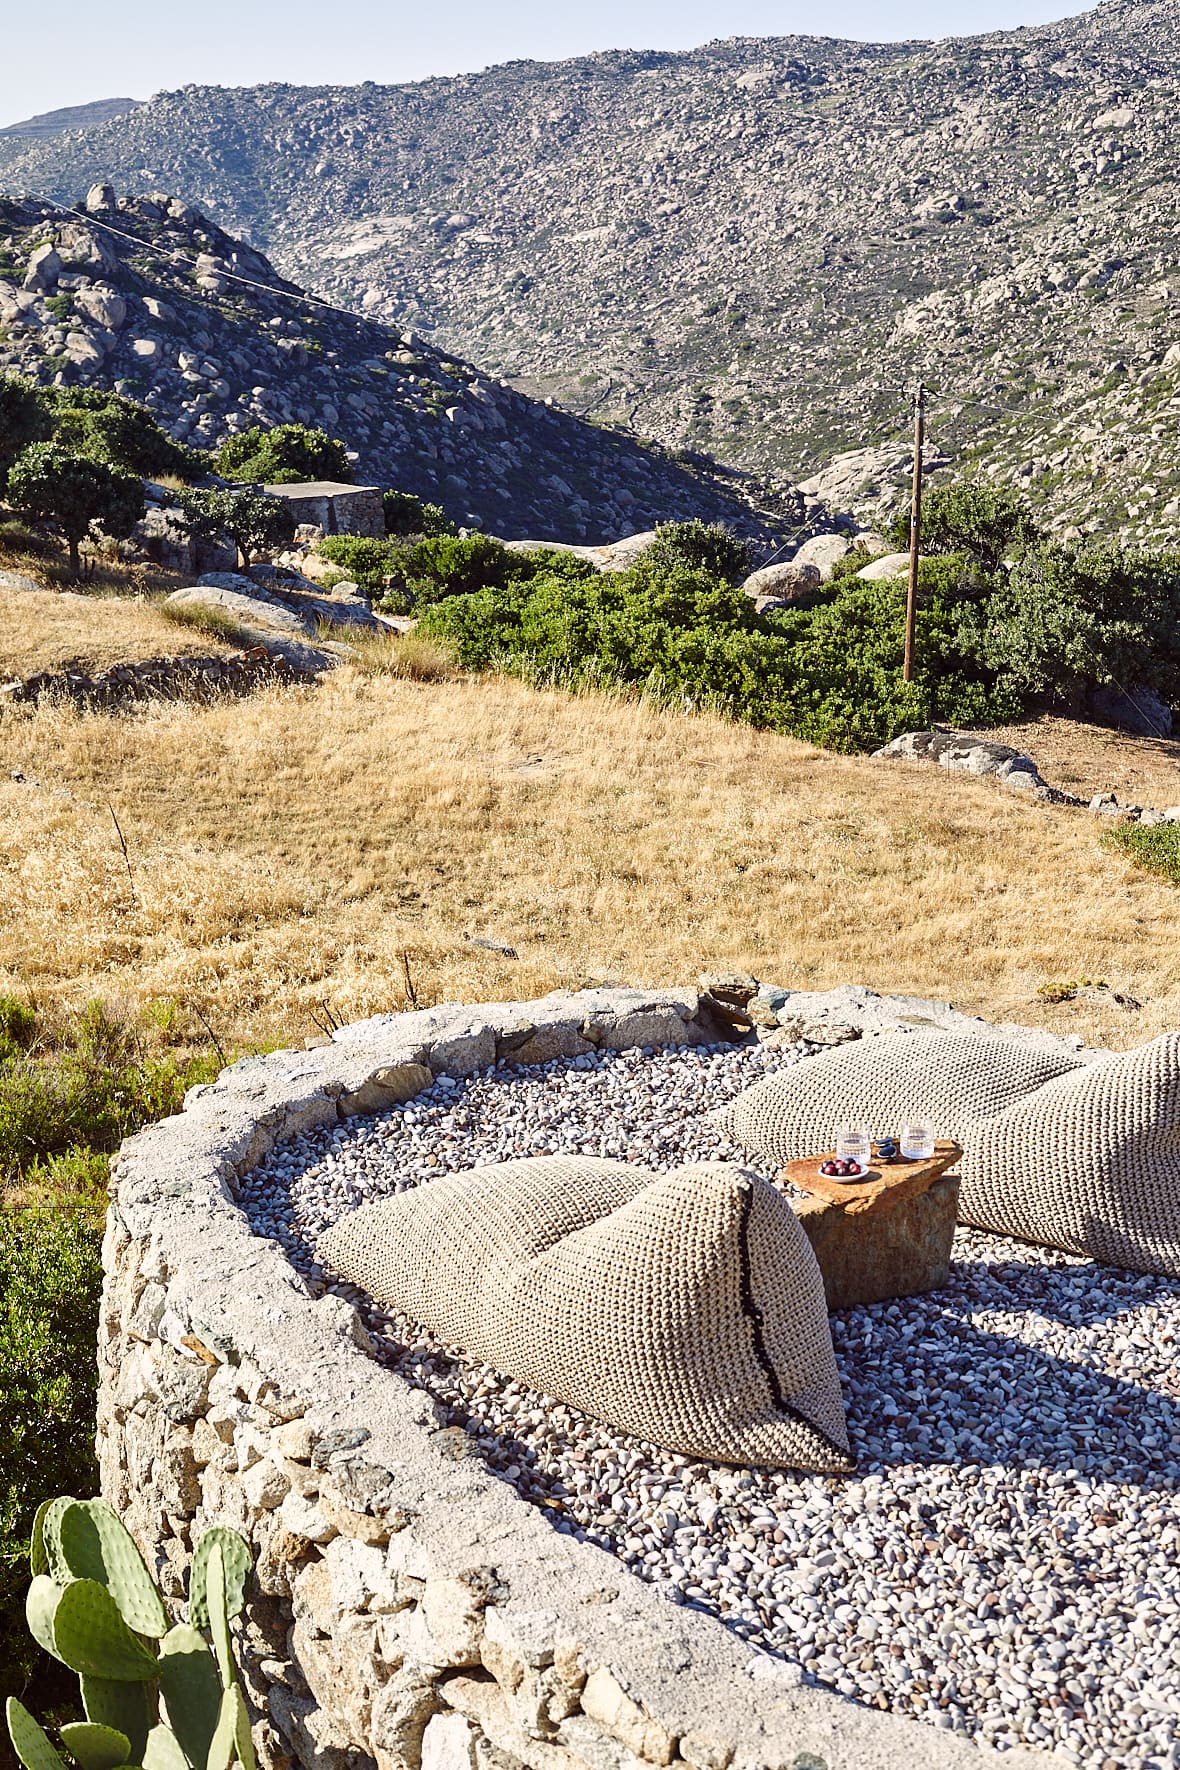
(75, 558)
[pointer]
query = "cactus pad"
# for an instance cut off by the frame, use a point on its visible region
(29, 1741)
(95, 1545)
(93, 1640)
(163, 1752)
(191, 1690)
(41, 1603)
(94, 1746)
(38, 1559)
(218, 1616)
(55, 1562)
(129, 1708)
(223, 1746)
(236, 1561)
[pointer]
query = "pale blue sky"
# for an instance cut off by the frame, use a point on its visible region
(131, 48)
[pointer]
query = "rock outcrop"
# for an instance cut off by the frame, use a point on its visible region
(146, 296)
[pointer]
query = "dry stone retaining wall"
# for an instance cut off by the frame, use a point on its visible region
(169, 679)
(410, 1610)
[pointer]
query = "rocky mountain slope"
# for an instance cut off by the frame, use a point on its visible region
(149, 297)
(754, 247)
(71, 116)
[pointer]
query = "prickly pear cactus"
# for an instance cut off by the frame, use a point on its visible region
(94, 1545)
(155, 1697)
(236, 1563)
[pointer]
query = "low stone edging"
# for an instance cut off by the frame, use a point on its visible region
(410, 1609)
(167, 679)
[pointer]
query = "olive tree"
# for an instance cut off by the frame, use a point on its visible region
(254, 522)
(75, 495)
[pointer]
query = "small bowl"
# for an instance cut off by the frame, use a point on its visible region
(862, 1173)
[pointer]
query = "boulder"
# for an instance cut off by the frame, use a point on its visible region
(823, 551)
(44, 268)
(99, 198)
(1135, 709)
(890, 565)
(614, 556)
(783, 582)
(106, 307)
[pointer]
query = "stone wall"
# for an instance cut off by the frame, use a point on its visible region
(410, 1611)
(169, 679)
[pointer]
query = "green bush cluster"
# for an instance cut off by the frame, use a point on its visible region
(108, 428)
(829, 672)
(71, 1090)
(406, 515)
(50, 1278)
(284, 455)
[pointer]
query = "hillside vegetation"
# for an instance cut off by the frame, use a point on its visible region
(752, 247)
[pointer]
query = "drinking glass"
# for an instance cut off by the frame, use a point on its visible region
(917, 1140)
(854, 1143)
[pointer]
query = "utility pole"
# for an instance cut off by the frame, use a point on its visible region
(911, 605)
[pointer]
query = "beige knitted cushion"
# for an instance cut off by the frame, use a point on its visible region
(953, 1079)
(1090, 1162)
(687, 1307)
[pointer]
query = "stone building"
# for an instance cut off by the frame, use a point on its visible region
(337, 509)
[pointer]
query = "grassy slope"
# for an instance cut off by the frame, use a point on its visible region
(287, 850)
(60, 630)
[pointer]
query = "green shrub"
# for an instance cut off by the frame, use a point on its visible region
(982, 522)
(24, 419)
(698, 546)
(69, 1093)
(450, 565)
(108, 428)
(1154, 847)
(830, 672)
(366, 560)
(284, 455)
(1065, 620)
(50, 1278)
(405, 515)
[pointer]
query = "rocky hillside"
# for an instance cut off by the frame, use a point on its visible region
(751, 248)
(71, 116)
(149, 297)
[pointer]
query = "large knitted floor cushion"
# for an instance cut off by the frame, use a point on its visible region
(1090, 1162)
(954, 1079)
(685, 1307)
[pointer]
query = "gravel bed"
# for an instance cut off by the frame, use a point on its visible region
(1006, 1559)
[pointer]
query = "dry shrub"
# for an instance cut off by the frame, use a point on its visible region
(408, 657)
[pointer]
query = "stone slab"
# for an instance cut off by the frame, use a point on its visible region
(897, 1253)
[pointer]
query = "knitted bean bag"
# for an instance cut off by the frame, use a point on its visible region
(1089, 1162)
(686, 1307)
(956, 1080)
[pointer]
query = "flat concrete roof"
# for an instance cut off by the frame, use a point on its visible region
(315, 488)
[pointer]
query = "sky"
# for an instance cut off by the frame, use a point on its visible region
(132, 48)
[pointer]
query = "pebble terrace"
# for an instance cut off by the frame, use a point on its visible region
(1006, 1559)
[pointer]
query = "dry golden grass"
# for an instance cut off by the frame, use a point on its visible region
(288, 850)
(58, 630)
(1089, 759)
